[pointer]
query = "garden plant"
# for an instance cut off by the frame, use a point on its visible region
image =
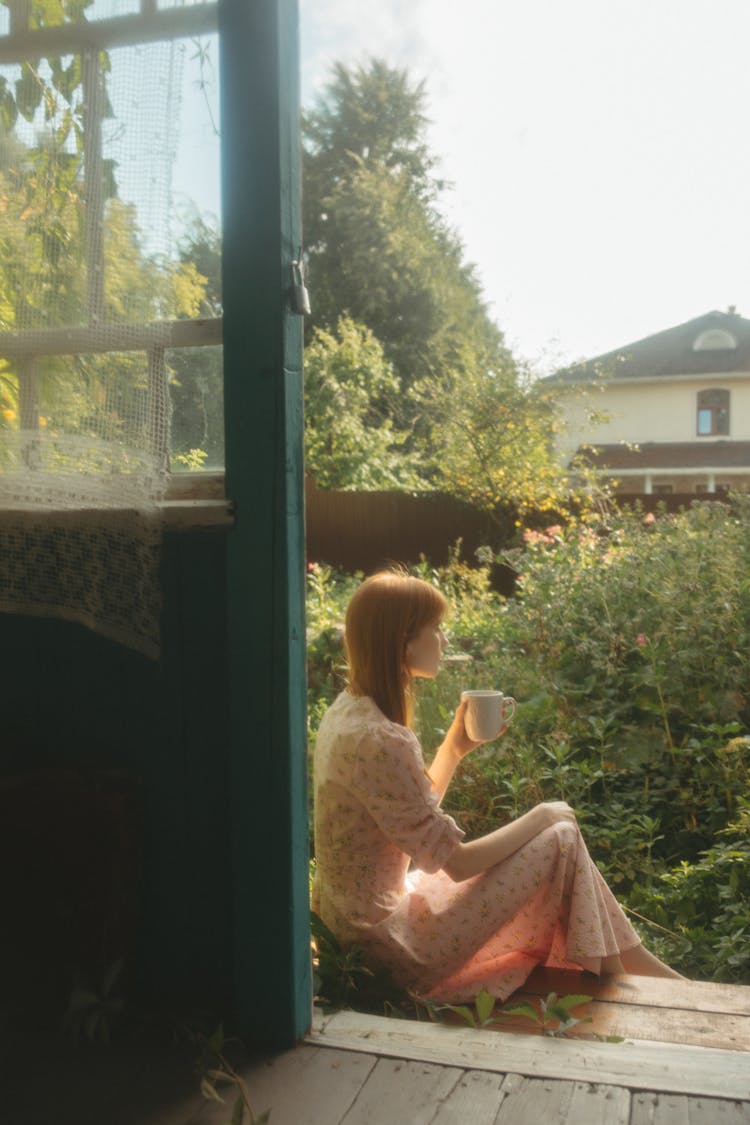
(627, 646)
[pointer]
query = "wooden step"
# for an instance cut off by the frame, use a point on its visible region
(645, 1008)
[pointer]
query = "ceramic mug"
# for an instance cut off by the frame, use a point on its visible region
(487, 712)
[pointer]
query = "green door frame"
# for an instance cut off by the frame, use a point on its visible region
(265, 553)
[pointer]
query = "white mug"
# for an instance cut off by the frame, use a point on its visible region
(487, 712)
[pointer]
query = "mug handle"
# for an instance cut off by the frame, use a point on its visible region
(509, 702)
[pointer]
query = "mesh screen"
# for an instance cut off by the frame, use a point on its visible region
(91, 288)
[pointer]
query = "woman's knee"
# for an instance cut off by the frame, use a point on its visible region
(565, 833)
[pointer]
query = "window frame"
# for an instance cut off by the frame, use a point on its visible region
(86, 39)
(714, 410)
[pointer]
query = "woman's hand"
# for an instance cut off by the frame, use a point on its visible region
(456, 738)
(476, 856)
(552, 812)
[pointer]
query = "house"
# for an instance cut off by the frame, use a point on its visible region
(666, 414)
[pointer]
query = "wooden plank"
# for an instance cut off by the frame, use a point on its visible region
(400, 1091)
(710, 1111)
(475, 1098)
(661, 992)
(672, 1067)
(527, 1101)
(659, 1109)
(530, 1100)
(677, 1109)
(201, 332)
(303, 1086)
(170, 23)
(593, 1104)
(662, 1025)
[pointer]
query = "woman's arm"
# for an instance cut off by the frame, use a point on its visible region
(455, 746)
(476, 856)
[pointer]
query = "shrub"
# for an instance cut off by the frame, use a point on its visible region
(627, 648)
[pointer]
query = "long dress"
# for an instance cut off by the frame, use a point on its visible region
(376, 812)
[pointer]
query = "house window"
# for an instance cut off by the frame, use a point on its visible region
(713, 413)
(715, 340)
(663, 489)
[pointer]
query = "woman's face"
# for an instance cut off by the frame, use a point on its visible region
(423, 651)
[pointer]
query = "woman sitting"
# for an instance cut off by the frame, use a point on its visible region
(469, 915)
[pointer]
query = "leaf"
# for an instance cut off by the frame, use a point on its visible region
(238, 1112)
(215, 1041)
(563, 1005)
(525, 1009)
(485, 1004)
(209, 1091)
(462, 1011)
(28, 92)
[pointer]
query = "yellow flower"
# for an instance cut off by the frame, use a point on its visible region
(8, 414)
(42, 421)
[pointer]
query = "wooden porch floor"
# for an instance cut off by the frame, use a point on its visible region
(685, 1061)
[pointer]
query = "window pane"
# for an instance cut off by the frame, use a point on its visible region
(704, 421)
(197, 394)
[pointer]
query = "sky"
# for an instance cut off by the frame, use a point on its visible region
(597, 151)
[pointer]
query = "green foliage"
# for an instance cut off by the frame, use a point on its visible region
(351, 389)
(214, 1070)
(196, 375)
(378, 248)
(95, 1007)
(553, 1015)
(627, 648)
(381, 254)
(45, 195)
(492, 439)
(342, 977)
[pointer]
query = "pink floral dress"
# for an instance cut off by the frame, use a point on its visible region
(375, 811)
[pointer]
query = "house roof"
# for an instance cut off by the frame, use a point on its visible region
(671, 352)
(669, 455)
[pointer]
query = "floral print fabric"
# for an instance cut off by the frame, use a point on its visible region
(375, 811)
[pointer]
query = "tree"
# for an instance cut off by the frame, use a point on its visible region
(196, 374)
(493, 442)
(377, 245)
(349, 441)
(380, 252)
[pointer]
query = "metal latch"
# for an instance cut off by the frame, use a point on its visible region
(300, 296)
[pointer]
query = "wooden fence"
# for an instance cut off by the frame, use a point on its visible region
(367, 530)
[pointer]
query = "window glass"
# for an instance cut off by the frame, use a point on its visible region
(713, 412)
(704, 421)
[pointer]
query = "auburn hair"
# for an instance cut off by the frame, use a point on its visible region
(386, 612)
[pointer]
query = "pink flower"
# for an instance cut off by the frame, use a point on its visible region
(642, 640)
(555, 529)
(649, 518)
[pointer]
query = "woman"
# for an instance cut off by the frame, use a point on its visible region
(472, 915)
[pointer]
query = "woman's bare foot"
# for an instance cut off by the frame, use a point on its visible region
(640, 963)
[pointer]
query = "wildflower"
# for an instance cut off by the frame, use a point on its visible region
(8, 414)
(642, 640)
(555, 529)
(312, 568)
(648, 519)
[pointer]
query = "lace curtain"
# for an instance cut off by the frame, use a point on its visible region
(91, 296)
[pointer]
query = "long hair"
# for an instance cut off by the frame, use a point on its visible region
(385, 613)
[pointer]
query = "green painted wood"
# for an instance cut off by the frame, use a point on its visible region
(74, 700)
(265, 562)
